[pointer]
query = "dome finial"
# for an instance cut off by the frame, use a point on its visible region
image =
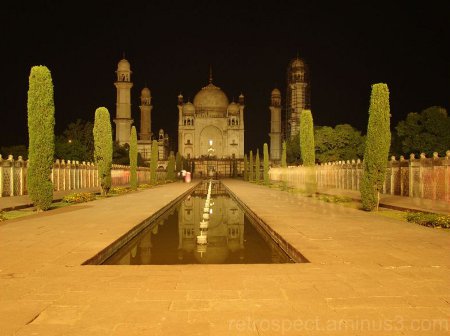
(210, 74)
(123, 54)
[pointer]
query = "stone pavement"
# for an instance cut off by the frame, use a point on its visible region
(369, 275)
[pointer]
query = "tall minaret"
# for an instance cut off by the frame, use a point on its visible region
(123, 119)
(275, 125)
(146, 114)
(298, 93)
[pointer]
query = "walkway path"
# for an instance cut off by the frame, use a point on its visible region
(368, 275)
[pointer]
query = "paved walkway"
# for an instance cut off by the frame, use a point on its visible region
(368, 275)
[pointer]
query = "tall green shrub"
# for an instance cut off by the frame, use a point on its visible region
(266, 164)
(41, 123)
(171, 167)
(133, 159)
(250, 174)
(307, 138)
(154, 163)
(307, 150)
(245, 168)
(377, 147)
(179, 162)
(283, 155)
(103, 147)
(257, 167)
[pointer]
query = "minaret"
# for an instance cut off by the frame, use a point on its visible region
(297, 98)
(275, 125)
(146, 114)
(123, 119)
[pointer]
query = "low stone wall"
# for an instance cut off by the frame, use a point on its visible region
(417, 177)
(66, 175)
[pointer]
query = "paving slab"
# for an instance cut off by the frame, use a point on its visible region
(365, 271)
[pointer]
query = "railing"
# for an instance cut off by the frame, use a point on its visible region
(417, 177)
(65, 175)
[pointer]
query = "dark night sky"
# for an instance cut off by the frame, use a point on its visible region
(348, 45)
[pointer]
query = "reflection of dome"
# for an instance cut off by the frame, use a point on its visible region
(276, 92)
(233, 108)
(211, 97)
(145, 92)
(123, 65)
(188, 108)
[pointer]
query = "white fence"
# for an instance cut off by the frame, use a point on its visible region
(417, 177)
(66, 175)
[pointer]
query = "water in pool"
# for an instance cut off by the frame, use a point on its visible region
(232, 238)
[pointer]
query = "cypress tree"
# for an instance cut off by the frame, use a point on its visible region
(307, 150)
(250, 175)
(245, 168)
(103, 147)
(307, 138)
(179, 162)
(283, 156)
(171, 168)
(133, 159)
(41, 123)
(266, 164)
(377, 147)
(257, 167)
(154, 163)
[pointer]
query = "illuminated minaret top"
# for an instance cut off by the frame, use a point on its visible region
(123, 118)
(297, 95)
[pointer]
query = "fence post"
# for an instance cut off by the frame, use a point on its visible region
(1, 176)
(11, 175)
(21, 178)
(446, 163)
(421, 179)
(411, 174)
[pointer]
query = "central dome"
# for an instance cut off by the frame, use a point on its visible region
(211, 97)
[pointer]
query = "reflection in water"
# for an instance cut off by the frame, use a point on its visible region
(232, 238)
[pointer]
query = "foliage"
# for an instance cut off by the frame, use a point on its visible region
(334, 198)
(307, 138)
(266, 164)
(245, 168)
(2, 216)
(15, 151)
(76, 142)
(307, 150)
(103, 147)
(425, 132)
(251, 176)
(41, 123)
(171, 167)
(79, 197)
(429, 219)
(119, 191)
(154, 163)
(133, 159)
(377, 147)
(293, 150)
(178, 162)
(340, 143)
(257, 167)
(283, 155)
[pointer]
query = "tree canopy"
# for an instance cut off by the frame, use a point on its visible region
(342, 142)
(425, 132)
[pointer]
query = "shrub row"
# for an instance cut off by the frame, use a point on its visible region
(429, 219)
(79, 197)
